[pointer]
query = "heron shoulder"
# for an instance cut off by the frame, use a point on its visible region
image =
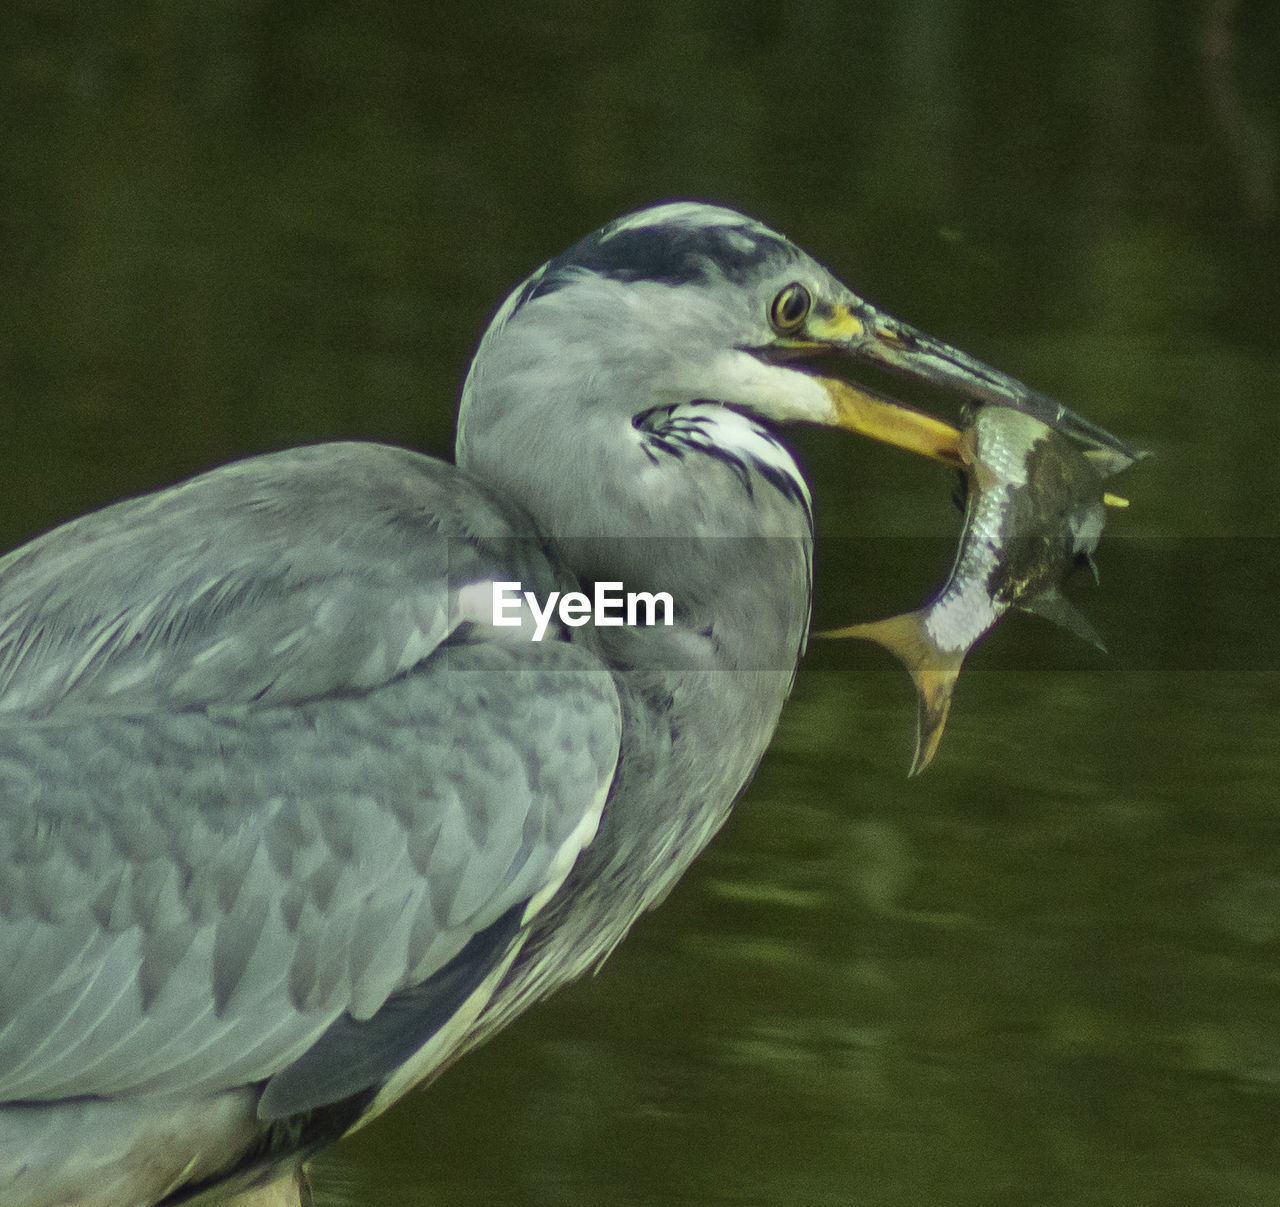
(281, 577)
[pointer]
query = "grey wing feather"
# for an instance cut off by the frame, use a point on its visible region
(357, 1054)
(193, 896)
(279, 578)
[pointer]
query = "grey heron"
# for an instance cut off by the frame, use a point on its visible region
(289, 821)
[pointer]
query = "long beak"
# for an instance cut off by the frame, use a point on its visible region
(860, 331)
(883, 419)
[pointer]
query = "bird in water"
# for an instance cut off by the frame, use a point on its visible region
(291, 818)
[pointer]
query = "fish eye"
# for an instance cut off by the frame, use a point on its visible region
(790, 308)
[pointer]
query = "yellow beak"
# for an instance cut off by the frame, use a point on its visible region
(868, 414)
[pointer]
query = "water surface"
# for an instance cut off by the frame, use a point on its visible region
(1045, 972)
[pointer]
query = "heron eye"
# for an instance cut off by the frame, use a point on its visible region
(790, 308)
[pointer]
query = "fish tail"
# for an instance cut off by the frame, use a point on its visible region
(934, 672)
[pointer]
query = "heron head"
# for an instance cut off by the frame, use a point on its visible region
(690, 302)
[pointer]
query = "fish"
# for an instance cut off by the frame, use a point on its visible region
(1035, 509)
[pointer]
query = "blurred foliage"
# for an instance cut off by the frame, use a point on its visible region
(232, 226)
(1045, 972)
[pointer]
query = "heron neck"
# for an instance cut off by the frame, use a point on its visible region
(698, 503)
(710, 508)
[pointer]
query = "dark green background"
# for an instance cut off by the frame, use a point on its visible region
(1047, 972)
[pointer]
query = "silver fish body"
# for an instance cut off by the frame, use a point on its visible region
(1034, 509)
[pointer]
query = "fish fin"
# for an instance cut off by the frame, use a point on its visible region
(1057, 608)
(1108, 461)
(934, 684)
(933, 671)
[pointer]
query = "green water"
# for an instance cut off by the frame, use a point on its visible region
(1049, 970)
